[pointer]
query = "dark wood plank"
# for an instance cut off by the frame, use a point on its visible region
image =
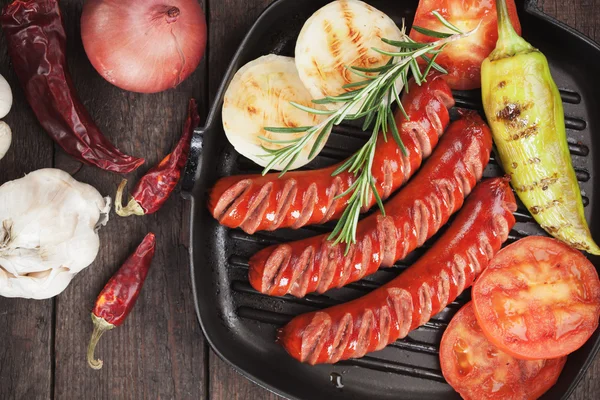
(225, 382)
(159, 351)
(27, 332)
(584, 16)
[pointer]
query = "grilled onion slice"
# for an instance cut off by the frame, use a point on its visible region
(259, 96)
(338, 36)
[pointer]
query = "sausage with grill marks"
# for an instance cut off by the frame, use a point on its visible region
(413, 215)
(255, 202)
(390, 312)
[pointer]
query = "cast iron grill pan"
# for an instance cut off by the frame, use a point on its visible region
(240, 323)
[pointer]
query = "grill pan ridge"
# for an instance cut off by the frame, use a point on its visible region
(240, 323)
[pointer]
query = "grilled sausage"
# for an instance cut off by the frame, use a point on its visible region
(255, 202)
(413, 215)
(390, 312)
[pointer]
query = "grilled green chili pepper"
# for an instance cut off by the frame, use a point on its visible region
(525, 112)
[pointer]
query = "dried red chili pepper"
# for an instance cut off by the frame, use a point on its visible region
(156, 186)
(36, 43)
(117, 298)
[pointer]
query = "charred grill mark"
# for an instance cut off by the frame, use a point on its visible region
(385, 323)
(287, 197)
(312, 338)
(425, 306)
(321, 74)
(458, 273)
(500, 225)
(510, 112)
(447, 194)
(473, 260)
(257, 209)
(406, 168)
(333, 41)
(420, 134)
(388, 180)
(421, 221)
(387, 237)
(463, 181)
(329, 256)
(545, 207)
(401, 302)
(308, 204)
(544, 184)
(405, 239)
(486, 246)
(443, 290)
(274, 265)
(366, 251)
(525, 133)
(364, 333)
(473, 161)
(230, 198)
(436, 206)
(301, 273)
(348, 264)
(446, 98)
(334, 190)
(433, 115)
(342, 337)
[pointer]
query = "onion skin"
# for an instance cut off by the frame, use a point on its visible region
(144, 46)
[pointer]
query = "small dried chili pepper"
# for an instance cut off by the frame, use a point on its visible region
(156, 186)
(36, 40)
(118, 297)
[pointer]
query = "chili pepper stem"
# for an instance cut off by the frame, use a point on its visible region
(132, 207)
(100, 326)
(509, 42)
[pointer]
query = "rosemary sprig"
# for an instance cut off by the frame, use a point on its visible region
(371, 99)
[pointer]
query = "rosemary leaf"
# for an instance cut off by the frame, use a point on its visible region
(356, 84)
(446, 23)
(392, 53)
(311, 110)
(435, 66)
(400, 105)
(383, 68)
(275, 141)
(405, 44)
(431, 63)
(317, 144)
(396, 136)
(430, 33)
(377, 197)
(298, 129)
(362, 75)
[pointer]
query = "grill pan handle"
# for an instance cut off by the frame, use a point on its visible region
(192, 167)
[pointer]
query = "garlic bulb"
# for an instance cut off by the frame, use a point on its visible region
(48, 232)
(5, 138)
(6, 98)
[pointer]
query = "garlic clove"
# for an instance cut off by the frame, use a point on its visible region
(5, 138)
(6, 97)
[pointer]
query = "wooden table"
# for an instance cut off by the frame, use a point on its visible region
(160, 351)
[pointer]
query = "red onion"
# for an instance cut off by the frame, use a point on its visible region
(144, 46)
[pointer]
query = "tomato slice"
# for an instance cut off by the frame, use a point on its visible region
(538, 298)
(462, 59)
(478, 370)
